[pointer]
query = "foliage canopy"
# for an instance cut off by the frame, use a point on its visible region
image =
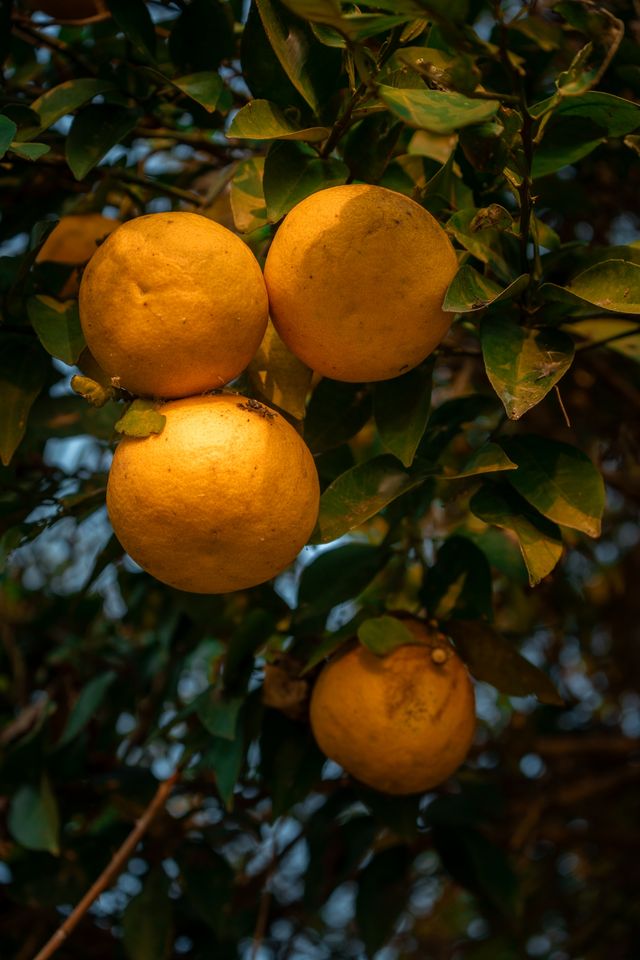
(470, 491)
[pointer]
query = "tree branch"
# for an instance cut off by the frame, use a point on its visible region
(111, 871)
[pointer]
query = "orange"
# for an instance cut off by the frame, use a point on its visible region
(223, 499)
(173, 304)
(402, 723)
(356, 276)
(73, 242)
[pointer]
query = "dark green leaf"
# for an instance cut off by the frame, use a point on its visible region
(134, 19)
(23, 372)
(539, 538)
(493, 659)
(439, 111)
(63, 99)
(219, 713)
(141, 419)
(86, 705)
(293, 172)
(202, 36)
(33, 819)
(261, 120)
(522, 363)
(489, 458)
(147, 924)
(311, 68)
(469, 291)
(336, 412)
(382, 891)
(208, 881)
(290, 760)
(252, 633)
(8, 130)
(359, 494)
(58, 327)
(614, 115)
(204, 87)
(95, 130)
(337, 576)
(459, 584)
(479, 866)
(279, 376)
(382, 635)
(370, 145)
(401, 409)
(225, 758)
(558, 480)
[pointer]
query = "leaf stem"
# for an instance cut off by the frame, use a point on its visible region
(111, 871)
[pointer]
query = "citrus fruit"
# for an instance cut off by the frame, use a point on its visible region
(73, 242)
(173, 304)
(75, 10)
(401, 723)
(224, 498)
(356, 276)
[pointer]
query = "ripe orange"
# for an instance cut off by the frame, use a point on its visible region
(73, 242)
(356, 276)
(402, 723)
(173, 304)
(224, 498)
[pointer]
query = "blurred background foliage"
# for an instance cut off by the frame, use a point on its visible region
(513, 124)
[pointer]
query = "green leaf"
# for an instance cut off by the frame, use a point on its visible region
(336, 576)
(204, 87)
(470, 290)
(383, 887)
(439, 111)
(63, 99)
(578, 125)
(558, 480)
(311, 68)
(225, 758)
(359, 494)
(481, 866)
(134, 19)
(489, 458)
(293, 172)
(86, 705)
(58, 327)
(248, 205)
(202, 36)
(207, 880)
(219, 713)
(253, 632)
(141, 419)
(611, 284)
(93, 392)
(23, 373)
(95, 130)
(539, 539)
(261, 120)
(382, 635)
(523, 364)
(8, 130)
(33, 819)
(30, 151)
(401, 409)
(147, 924)
(336, 412)
(459, 584)
(498, 249)
(279, 376)
(493, 659)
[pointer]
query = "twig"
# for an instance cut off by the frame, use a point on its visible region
(111, 871)
(562, 407)
(59, 46)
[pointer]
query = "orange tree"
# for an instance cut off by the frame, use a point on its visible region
(163, 736)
